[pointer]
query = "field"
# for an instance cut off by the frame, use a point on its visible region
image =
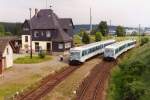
(131, 76)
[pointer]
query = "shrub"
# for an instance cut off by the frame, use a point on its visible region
(85, 38)
(42, 54)
(98, 36)
(144, 41)
(120, 31)
(133, 91)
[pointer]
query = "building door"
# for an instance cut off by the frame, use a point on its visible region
(36, 47)
(48, 47)
(1, 67)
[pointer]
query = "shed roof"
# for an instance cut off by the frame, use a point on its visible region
(4, 41)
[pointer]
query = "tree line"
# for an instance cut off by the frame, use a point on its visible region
(10, 29)
(101, 30)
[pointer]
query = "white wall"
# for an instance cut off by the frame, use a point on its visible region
(25, 43)
(9, 56)
(42, 44)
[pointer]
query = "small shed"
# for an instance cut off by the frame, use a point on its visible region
(6, 54)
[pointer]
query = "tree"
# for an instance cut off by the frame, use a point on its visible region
(17, 29)
(85, 38)
(98, 36)
(120, 31)
(103, 28)
(144, 41)
(2, 30)
(81, 32)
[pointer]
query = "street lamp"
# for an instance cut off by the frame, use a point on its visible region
(30, 35)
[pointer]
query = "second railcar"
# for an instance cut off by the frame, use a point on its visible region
(116, 49)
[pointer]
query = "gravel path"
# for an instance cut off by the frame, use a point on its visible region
(19, 71)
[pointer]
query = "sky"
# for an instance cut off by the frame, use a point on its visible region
(120, 12)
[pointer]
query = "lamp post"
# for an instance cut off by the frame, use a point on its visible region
(30, 35)
(139, 33)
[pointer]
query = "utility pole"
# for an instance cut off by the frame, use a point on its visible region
(46, 4)
(30, 35)
(110, 26)
(139, 33)
(91, 20)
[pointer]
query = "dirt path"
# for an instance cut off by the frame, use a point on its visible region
(92, 87)
(19, 71)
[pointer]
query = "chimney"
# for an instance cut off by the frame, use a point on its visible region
(36, 12)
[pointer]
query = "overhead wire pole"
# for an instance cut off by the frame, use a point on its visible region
(139, 33)
(30, 35)
(110, 26)
(46, 4)
(91, 20)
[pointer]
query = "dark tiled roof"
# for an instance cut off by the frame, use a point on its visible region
(43, 20)
(47, 19)
(60, 36)
(3, 43)
(66, 23)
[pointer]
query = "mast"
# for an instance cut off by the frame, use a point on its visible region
(46, 4)
(91, 20)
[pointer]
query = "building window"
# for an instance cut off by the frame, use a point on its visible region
(60, 46)
(37, 47)
(48, 34)
(26, 38)
(67, 45)
(36, 34)
(26, 29)
(66, 30)
(42, 33)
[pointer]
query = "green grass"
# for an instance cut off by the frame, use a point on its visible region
(28, 60)
(9, 89)
(142, 54)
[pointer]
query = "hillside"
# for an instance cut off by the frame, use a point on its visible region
(130, 80)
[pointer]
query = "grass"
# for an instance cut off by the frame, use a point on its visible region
(28, 60)
(142, 54)
(25, 83)
(9, 89)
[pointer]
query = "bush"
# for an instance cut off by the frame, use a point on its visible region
(42, 54)
(133, 91)
(120, 31)
(144, 41)
(85, 38)
(98, 36)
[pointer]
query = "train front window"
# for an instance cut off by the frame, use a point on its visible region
(75, 55)
(110, 52)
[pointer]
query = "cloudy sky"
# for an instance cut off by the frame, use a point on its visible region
(120, 12)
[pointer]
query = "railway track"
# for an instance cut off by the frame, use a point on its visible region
(46, 85)
(93, 86)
